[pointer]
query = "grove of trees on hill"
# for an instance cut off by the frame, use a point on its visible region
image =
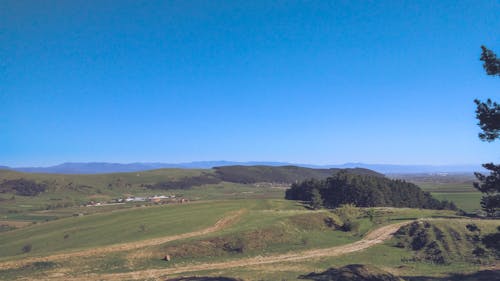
(278, 174)
(365, 191)
(22, 187)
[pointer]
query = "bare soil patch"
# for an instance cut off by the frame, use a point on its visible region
(16, 224)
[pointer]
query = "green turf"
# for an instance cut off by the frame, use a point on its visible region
(115, 227)
(68, 193)
(467, 201)
(271, 216)
(385, 256)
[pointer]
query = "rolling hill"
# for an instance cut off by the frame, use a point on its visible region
(177, 178)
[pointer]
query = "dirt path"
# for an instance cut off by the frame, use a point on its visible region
(222, 223)
(375, 237)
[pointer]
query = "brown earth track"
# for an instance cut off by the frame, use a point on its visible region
(14, 223)
(374, 237)
(220, 224)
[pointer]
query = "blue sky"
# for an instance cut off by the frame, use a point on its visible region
(299, 81)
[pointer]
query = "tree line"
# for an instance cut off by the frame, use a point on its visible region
(22, 187)
(488, 115)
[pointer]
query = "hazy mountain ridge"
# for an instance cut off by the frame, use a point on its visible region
(105, 167)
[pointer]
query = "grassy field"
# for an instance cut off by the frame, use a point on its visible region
(67, 193)
(459, 190)
(108, 228)
(467, 201)
(266, 227)
(385, 256)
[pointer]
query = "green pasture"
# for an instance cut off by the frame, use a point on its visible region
(115, 227)
(385, 256)
(467, 201)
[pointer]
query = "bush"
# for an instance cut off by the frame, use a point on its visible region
(234, 246)
(26, 248)
(351, 226)
(479, 252)
(370, 213)
(348, 213)
(472, 227)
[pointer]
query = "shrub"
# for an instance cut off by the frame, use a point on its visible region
(234, 246)
(472, 227)
(479, 252)
(347, 214)
(26, 248)
(351, 226)
(370, 213)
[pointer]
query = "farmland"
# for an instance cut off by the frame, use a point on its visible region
(239, 230)
(454, 187)
(267, 230)
(66, 194)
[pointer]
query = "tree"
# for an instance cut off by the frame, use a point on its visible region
(488, 114)
(491, 62)
(316, 199)
(370, 213)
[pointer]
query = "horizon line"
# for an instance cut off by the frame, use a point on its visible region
(237, 162)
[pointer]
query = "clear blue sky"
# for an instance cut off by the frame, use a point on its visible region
(298, 81)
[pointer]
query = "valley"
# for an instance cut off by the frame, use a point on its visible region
(239, 229)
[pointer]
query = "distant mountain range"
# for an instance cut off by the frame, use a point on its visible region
(103, 167)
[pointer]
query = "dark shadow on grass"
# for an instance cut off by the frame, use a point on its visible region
(403, 219)
(352, 272)
(31, 268)
(445, 217)
(483, 275)
(197, 278)
(415, 218)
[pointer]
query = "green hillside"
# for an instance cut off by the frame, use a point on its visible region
(29, 197)
(447, 242)
(262, 228)
(283, 174)
(107, 228)
(175, 178)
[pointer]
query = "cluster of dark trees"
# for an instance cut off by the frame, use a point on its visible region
(278, 174)
(364, 191)
(252, 174)
(184, 183)
(488, 115)
(23, 187)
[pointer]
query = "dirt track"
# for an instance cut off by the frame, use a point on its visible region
(231, 218)
(373, 238)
